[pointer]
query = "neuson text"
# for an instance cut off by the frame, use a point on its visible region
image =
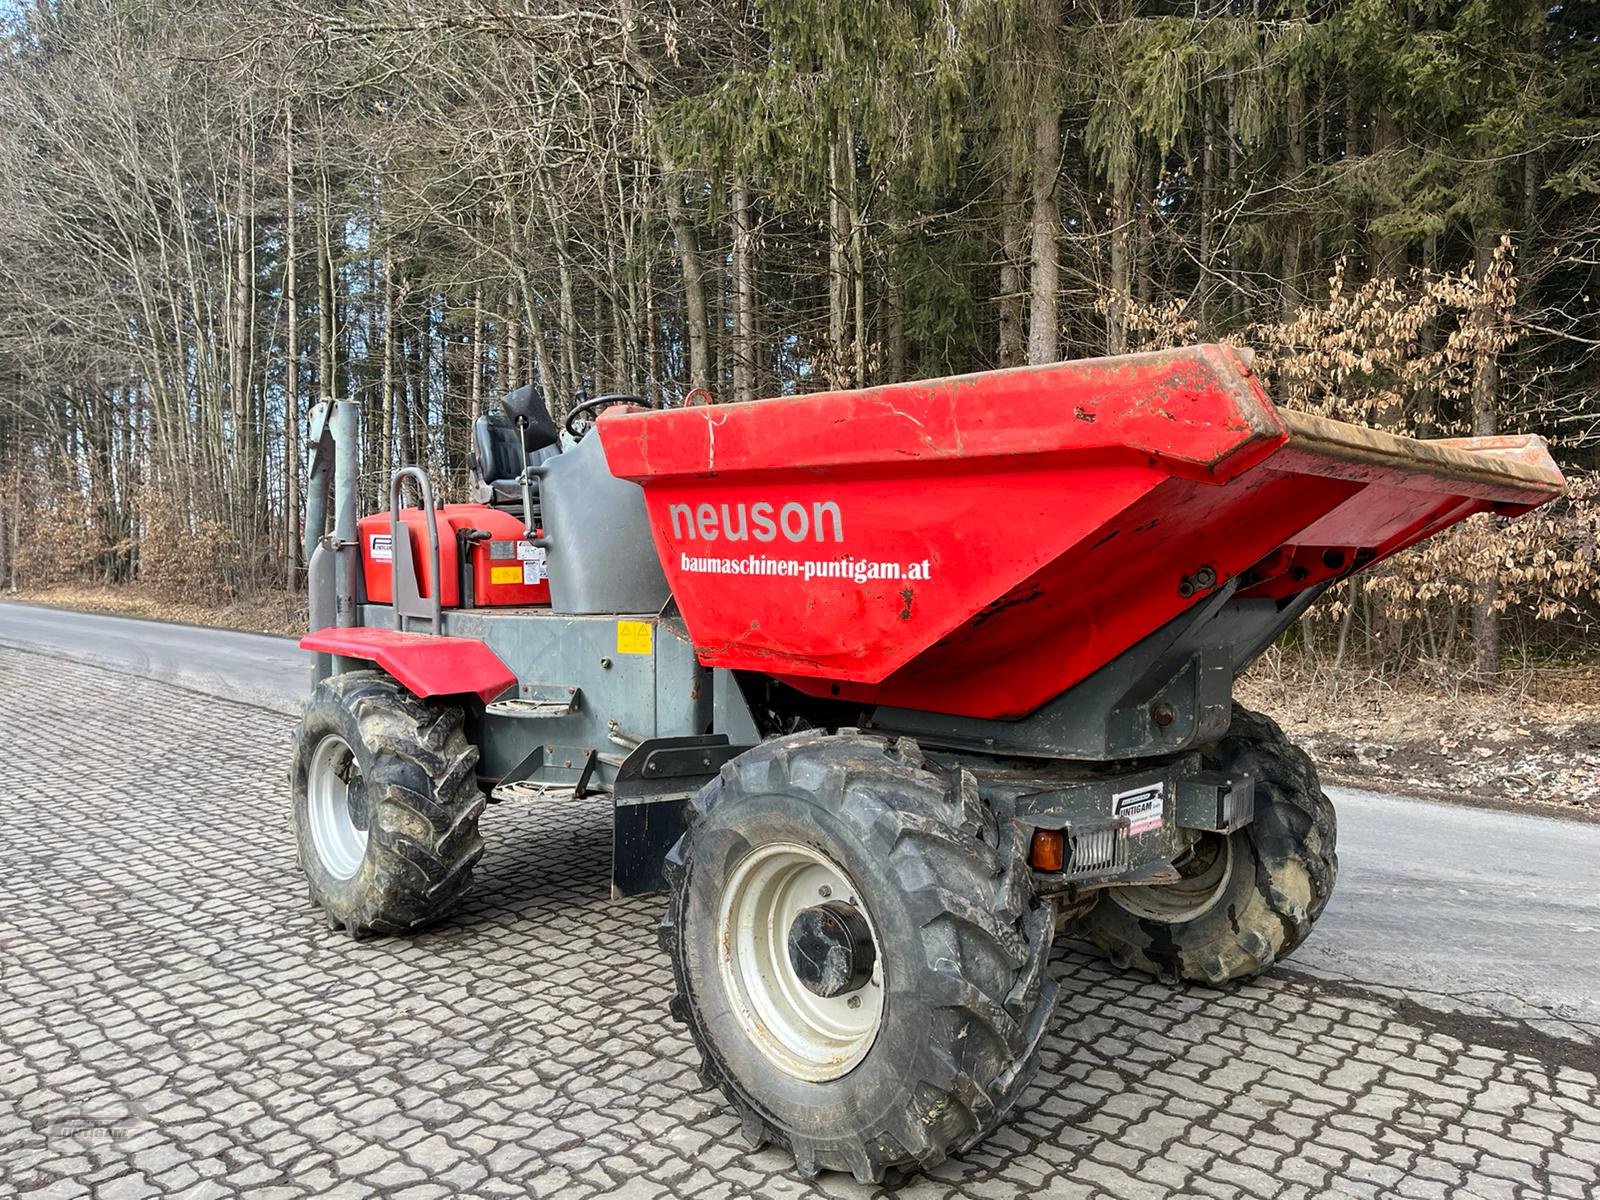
(762, 521)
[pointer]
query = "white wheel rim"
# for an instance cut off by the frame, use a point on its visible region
(809, 1036)
(340, 843)
(1186, 900)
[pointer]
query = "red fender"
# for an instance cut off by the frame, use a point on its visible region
(428, 665)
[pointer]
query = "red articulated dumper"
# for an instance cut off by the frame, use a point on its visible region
(885, 687)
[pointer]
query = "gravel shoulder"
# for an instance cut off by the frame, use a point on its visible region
(1531, 748)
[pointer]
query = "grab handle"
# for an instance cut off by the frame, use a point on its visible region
(408, 598)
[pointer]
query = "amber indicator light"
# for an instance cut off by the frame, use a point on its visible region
(1049, 849)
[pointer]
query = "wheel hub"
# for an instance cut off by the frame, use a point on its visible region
(800, 961)
(337, 808)
(830, 948)
(355, 802)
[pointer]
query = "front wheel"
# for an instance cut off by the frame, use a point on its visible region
(1243, 900)
(858, 953)
(385, 804)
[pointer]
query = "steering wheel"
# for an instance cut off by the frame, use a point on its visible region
(581, 419)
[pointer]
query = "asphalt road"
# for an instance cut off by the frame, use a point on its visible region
(1469, 908)
(268, 672)
(1459, 908)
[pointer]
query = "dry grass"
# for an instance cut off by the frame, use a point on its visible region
(272, 612)
(1532, 741)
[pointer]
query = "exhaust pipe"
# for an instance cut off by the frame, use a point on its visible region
(332, 560)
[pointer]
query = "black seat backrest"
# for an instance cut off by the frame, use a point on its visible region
(527, 405)
(497, 443)
(498, 449)
(497, 456)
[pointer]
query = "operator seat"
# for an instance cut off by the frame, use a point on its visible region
(497, 445)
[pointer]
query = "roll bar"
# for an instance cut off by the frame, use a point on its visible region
(408, 598)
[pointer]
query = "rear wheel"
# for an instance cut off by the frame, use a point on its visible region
(386, 804)
(858, 953)
(1246, 899)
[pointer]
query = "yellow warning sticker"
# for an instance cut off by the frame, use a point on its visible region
(512, 574)
(634, 637)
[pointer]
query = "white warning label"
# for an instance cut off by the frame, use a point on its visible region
(532, 563)
(1142, 806)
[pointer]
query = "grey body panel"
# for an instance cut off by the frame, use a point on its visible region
(610, 718)
(322, 590)
(603, 709)
(730, 710)
(619, 699)
(1186, 668)
(601, 556)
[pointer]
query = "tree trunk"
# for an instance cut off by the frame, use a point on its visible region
(1121, 229)
(858, 273)
(1144, 249)
(1044, 326)
(1012, 349)
(744, 294)
(694, 288)
(326, 363)
(291, 370)
(1325, 92)
(538, 352)
(1294, 236)
(1208, 207)
(419, 385)
(1424, 420)
(383, 444)
(722, 372)
(1352, 150)
(895, 297)
(1485, 422)
(653, 392)
(567, 317)
(239, 334)
(476, 386)
(841, 168)
(513, 359)
(1235, 189)
(1386, 255)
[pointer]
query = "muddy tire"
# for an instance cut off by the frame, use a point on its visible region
(1248, 899)
(945, 1012)
(386, 805)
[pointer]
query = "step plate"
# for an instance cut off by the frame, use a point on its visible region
(533, 789)
(529, 709)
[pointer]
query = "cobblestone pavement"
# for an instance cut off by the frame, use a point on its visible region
(175, 1020)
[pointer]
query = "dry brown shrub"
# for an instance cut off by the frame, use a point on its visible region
(57, 539)
(1405, 355)
(188, 558)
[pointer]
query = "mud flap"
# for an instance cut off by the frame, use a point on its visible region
(642, 832)
(650, 805)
